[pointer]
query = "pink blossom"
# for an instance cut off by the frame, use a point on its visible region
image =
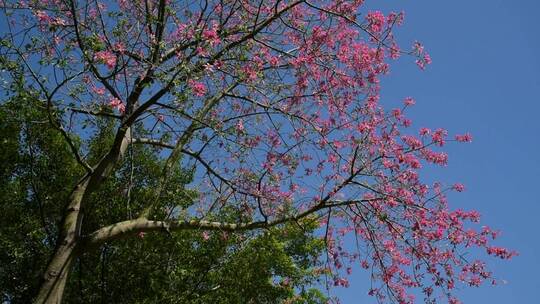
(427, 58)
(120, 47)
(43, 17)
(396, 18)
(458, 187)
(454, 301)
(117, 104)
(58, 22)
(274, 61)
(439, 136)
(240, 126)
(364, 264)
(98, 91)
(396, 113)
(500, 252)
(376, 21)
(211, 35)
(409, 101)
(464, 137)
(198, 88)
(106, 57)
(424, 131)
(250, 72)
(412, 141)
(341, 282)
(423, 57)
(201, 51)
(332, 158)
(395, 52)
(180, 32)
(421, 64)
(123, 4)
(364, 127)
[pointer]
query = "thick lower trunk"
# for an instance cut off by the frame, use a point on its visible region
(56, 275)
(57, 271)
(67, 248)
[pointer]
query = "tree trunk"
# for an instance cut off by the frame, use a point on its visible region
(56, 275)
(67, 245)
(57, 271)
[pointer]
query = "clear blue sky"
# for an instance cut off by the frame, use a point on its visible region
(485, 79)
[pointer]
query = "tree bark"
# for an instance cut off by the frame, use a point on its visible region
(68, 242)
(56, 274)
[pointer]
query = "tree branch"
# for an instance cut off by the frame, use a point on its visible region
(132, 227)
(96, 113)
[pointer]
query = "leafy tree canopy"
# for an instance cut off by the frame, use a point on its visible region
(37, 174)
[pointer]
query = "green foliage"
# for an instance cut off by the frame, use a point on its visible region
(183, 267)
(37, 172)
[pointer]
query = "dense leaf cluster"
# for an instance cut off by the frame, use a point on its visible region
(37, 173)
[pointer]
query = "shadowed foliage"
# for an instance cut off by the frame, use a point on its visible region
(37, 174)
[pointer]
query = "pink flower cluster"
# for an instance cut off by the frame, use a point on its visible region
(467, 137)
(198, 88)
(459, 187)
(47, 22)
(117, 104)
(376, 21)
(211, 35)
(423, 58)
(409, 101)
(106, 57)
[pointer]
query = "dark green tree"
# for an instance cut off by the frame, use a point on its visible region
(37, 175)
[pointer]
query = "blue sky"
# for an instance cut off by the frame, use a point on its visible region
(485, 79)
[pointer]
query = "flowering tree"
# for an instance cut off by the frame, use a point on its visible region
(274, 105)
